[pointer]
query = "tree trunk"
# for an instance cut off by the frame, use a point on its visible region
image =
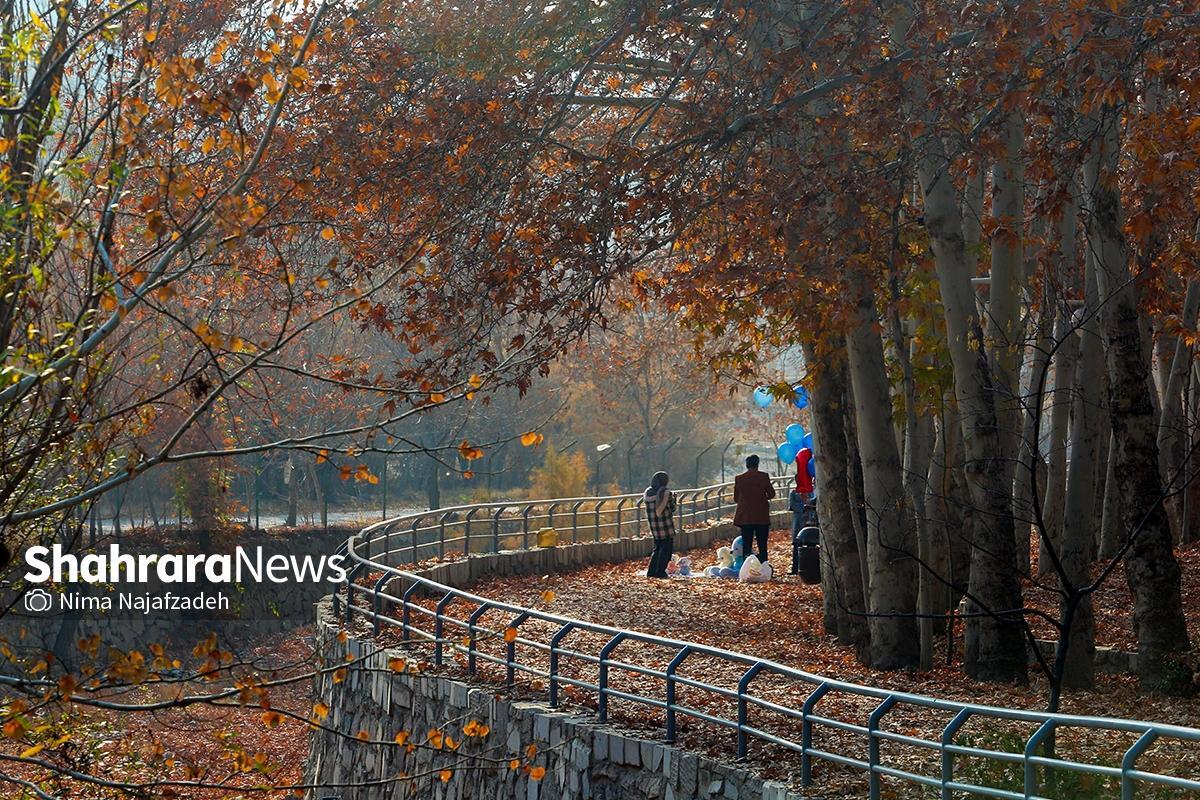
(292, 479)
(1150, 566)
(1172, 429)
(940, 515)
(854, 483)
(1004, 320)
(1190, 529)
(890, 547)
(432, 484)
(1060, 418)
(318, 495)
(1029, 456)
(1111, 535)
(918, 434)
(1102, 439)
(995, 644)
(839, 546)
(1078, 512)
(994, 632)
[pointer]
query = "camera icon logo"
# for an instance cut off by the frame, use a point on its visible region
(38, 600)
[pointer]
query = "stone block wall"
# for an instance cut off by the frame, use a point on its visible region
(582, 759)
(466, 569)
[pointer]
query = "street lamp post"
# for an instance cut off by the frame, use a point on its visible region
(605, 450)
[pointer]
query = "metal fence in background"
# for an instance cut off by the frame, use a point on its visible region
(491, 527)
(544, 649)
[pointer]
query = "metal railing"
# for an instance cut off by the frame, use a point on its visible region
(541, 649)
(491, 527)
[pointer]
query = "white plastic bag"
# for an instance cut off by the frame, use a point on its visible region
(754, 571)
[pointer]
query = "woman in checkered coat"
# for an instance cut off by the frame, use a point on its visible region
(660, 514)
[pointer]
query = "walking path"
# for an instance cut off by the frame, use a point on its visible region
(781, 621)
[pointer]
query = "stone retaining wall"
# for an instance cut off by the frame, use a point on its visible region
(582, 759)
(542, 561)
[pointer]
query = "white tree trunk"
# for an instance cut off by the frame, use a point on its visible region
(1060, 414)
(891, 546)
(1172, 428)
(995, 644)
(839, 547)
(1004, 320)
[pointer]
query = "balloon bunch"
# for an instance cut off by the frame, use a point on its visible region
(762, 397)
(796, 440)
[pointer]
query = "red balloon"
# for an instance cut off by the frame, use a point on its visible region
(804, 481)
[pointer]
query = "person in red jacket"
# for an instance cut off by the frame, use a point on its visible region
(753, 492)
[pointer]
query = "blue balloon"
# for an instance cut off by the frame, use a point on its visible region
(801, 400)
(812, 468)
(808, 440)
(795, 435)
(762, 397)
(786, 452)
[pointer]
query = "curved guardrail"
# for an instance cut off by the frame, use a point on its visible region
(541, 649)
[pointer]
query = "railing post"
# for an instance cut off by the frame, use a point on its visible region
(1130, 759)
(602, 682)
(472, 637)
(467, 532)
(496, 530)
(550, 515)
(406, 599)
(350, 587)
(806, 733)
(555, 641)
(415, 524)
(873, 744)
(510, 651)
(525, 526)
(442, 534)
(437, 627)
(671, 670)
(383, 579)
(620, 514)
(599, 503)
(1031, 746)
(575, 521)
(743, 685)
(948, 732)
